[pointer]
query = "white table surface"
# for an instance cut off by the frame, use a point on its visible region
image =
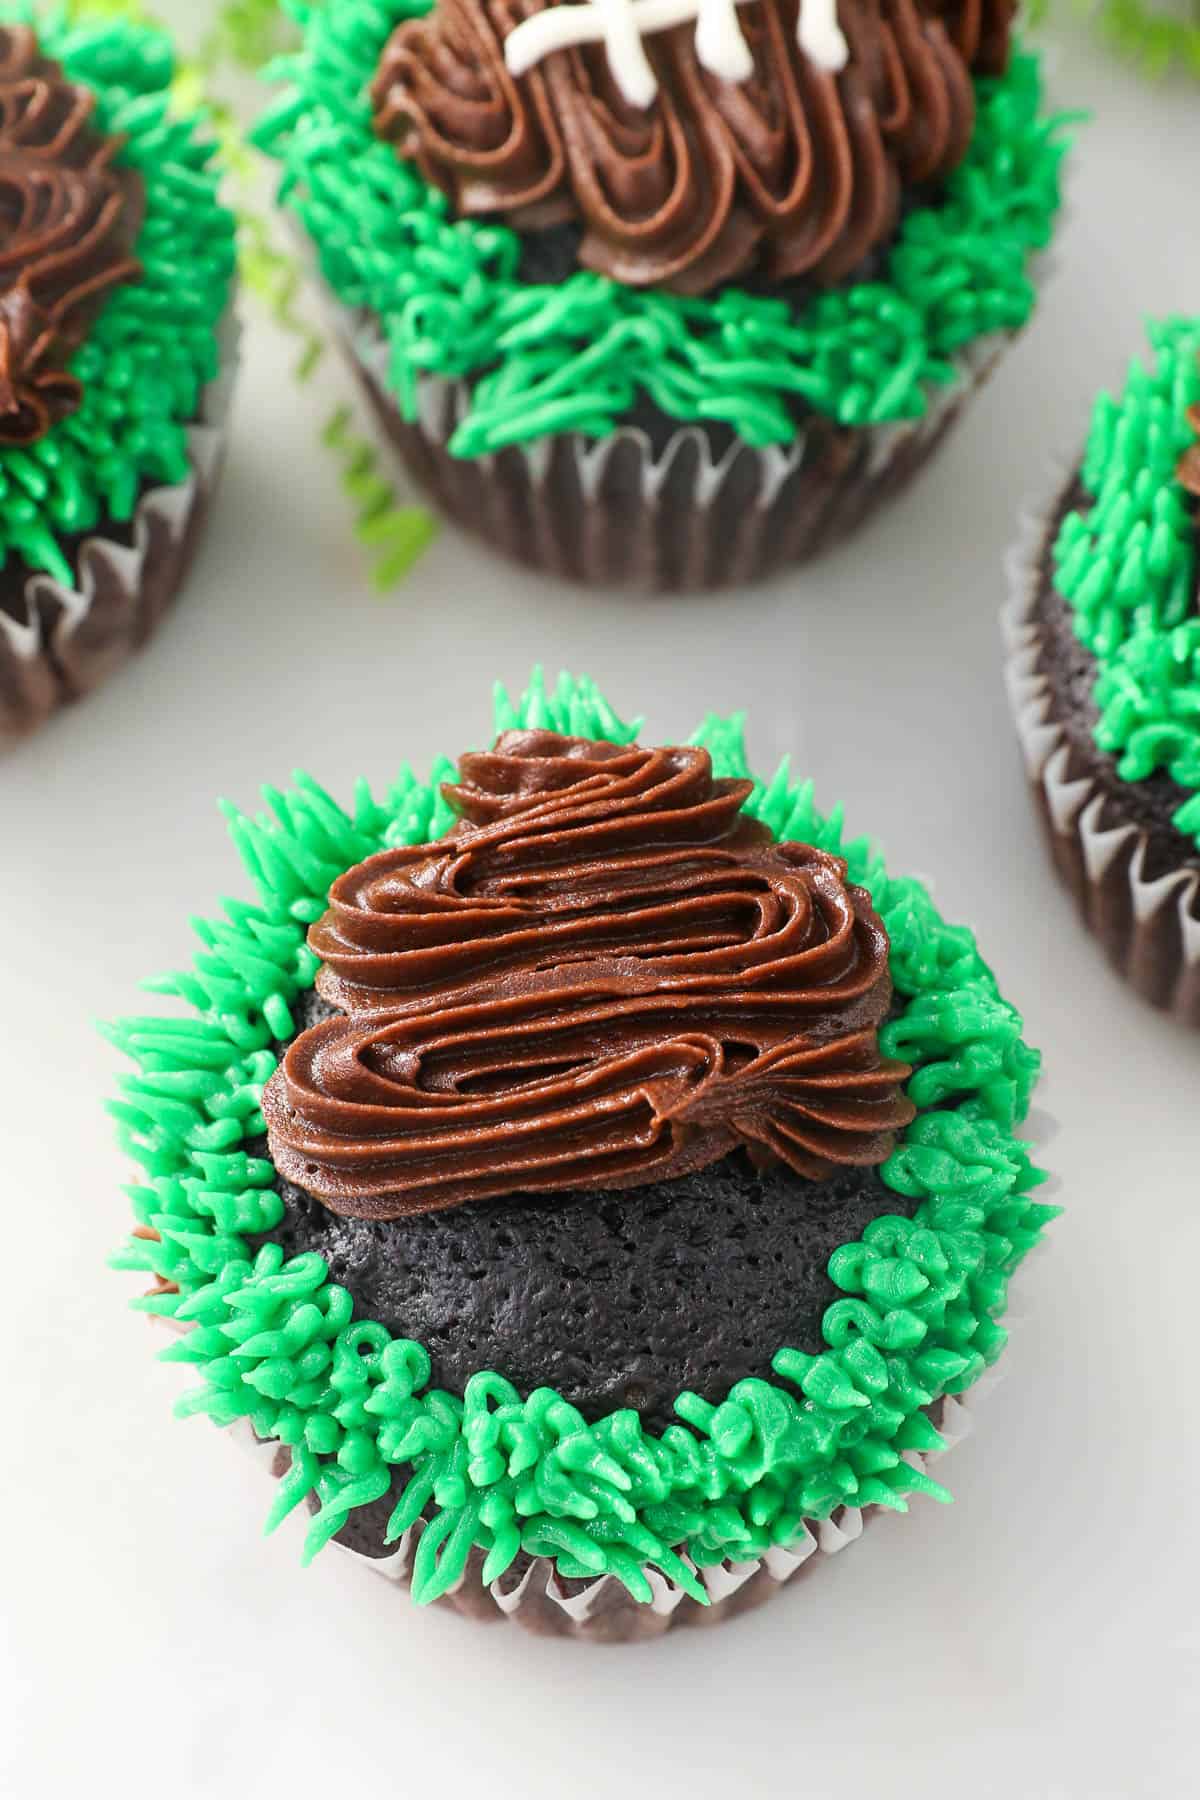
(1039, 1638)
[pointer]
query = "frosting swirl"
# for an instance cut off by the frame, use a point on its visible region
(796, 171)
(980, 30)
(67, 222)
(605, 975)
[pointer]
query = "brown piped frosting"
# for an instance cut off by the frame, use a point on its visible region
(980, 30)
(604, 975)
(1189, 464)
(67, 223)
(794, 172)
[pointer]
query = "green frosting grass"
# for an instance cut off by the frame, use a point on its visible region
(277, 1343)
(153, 347)
(246, 32)
(575, 357)
(1129, 567)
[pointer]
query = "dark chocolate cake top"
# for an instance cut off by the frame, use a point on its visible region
(331, 1335)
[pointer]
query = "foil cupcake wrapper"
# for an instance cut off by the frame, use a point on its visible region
(61, 642)
(1149, 929)
(618, 511)
(533, 1596)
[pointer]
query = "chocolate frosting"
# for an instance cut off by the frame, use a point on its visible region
(604, 975)
(67, 224)
(980, 30)
(794, 172)
(1189, 463)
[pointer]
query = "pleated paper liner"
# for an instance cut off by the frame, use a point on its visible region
(1149, 928)
(62, 642)
(532, 1595)
(621, 512)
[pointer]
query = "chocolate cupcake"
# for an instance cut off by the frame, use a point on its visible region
(668, 297)
(1104, 673)
(115, 352)
(589, 1184)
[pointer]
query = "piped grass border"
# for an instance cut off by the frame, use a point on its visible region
(1128, 565)
(575, 357)
(154, 344)
(277, 1343)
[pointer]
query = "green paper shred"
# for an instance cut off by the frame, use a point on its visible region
(396, 535)
(247, 33)
(1159, 42)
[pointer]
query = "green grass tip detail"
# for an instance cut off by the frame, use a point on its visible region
(575, 357)
(276, 1343)
(1128, 564)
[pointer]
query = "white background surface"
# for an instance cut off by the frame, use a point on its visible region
(1040, 1638)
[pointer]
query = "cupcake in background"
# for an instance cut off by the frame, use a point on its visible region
(668, 310)
(588, 1182)
(116, 352)
(1104, 673)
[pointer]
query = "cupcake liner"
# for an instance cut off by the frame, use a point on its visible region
(1148, 928)
(675, 518)
(532, 1594)
(64, 641)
